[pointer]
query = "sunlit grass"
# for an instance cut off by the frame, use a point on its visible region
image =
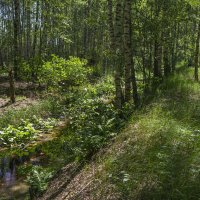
(157, 157)
(44, 108)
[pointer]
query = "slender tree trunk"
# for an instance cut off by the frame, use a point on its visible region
(167, 69)
(23, 33)
(1, 59)
(134, 85)
(144, 63)
(128, 56)
(16, 36)
(157, 59)
(196, 71)
(116, 42)
(86, 30)
(110, 23)
(118, 53)
(157, 44)
(127, 49)
(28, 34)
(45, 9)
(36, 30)
(174, 47)
(12, 86)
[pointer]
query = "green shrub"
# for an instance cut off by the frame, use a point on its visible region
(93, 123)
(61, 72)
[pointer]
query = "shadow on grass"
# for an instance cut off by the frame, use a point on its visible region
(165, 161)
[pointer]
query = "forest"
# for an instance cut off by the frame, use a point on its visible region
(99, 100)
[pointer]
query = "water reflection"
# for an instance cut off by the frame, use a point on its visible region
(8, 171)
(10, 186)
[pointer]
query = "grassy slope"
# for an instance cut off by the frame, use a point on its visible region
(156, 157)
(160, 158)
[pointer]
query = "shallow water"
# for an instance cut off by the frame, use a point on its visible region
(13, 186)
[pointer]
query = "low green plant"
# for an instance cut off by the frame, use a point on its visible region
(93, 123)
(44, 125)
(46, 108)
(38, 179)
(25, 72)
(26, 131)
(94, 119)
(13, 136)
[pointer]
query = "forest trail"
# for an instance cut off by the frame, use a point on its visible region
(155, 157)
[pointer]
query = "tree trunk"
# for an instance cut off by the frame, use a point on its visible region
(34, 44)
(110, 23)
(167, 69)
(116, 42)
(36, 30)
(128, 56)
(1, 59)
(157, 59)
(118, 54)
(175, 44)
(196, 71)
(12, 86)
(28, 33)
(127, 49)
(16, 25)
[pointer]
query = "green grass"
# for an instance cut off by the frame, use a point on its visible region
(158, 155)
(43, 109)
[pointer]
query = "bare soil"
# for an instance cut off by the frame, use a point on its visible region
(26, 94)
(5, 104)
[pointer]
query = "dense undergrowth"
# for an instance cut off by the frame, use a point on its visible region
(25, 132)
(157, 156)
(92, 121)
(49, 107)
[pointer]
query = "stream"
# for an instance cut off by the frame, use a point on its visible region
(14, 186)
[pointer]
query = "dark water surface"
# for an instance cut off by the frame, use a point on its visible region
(11, 186)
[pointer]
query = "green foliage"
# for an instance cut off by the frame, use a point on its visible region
(93, 123)
(4, 72)
(38, 179)
(103, 89)
(193, 3)
(11, 135)
(44, 125)
(157, 157)
(65, 73)
(25, 71)
(26, 131)
(50, 107)
(94, 119)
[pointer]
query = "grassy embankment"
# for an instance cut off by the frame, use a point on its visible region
(157, 155)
